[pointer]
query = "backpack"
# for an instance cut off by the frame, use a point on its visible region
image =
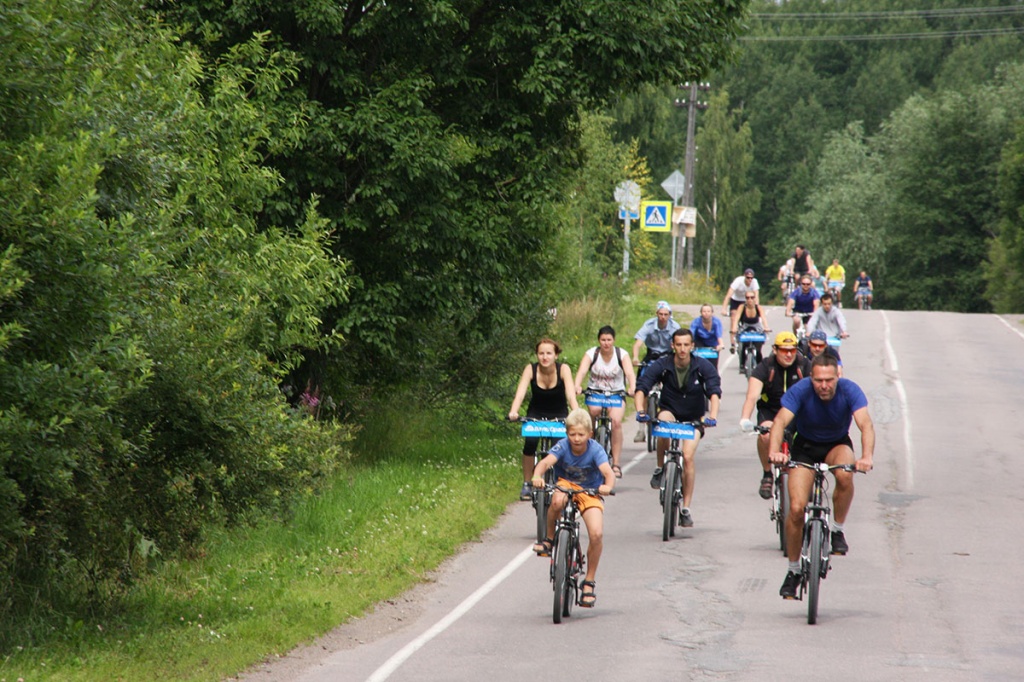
(597, 351)
(799, 362)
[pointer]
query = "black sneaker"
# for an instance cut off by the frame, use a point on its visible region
(685, 519)
(790, 585)
(765, 491)
(656, 479)
(839, 545)
(526, 492)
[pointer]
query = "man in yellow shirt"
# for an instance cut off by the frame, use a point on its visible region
(835, 278)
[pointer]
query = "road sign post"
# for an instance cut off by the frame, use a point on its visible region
(627, 193)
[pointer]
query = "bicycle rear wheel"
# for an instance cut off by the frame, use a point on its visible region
(669, 499)
(782, 499)
(543, 503)
(603, 437)
(563, 546)
(652, 409)
(814, 551)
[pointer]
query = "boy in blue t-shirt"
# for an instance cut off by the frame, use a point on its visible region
(580, 462)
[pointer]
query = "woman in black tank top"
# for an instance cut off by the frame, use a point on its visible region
(552, 395)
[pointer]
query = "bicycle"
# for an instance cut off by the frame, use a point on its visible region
(780, 489)
(567, 557)
(548, 431)
(862, 298)
(749, 340)
(670, 492)
(835, 287)
(653, 401)
(603, 423)
(817, 537)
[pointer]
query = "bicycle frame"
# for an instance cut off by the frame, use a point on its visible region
(548, 431)
(567, 559)
(603, 423)
(817, 539)
(671, 489)
(653, 405)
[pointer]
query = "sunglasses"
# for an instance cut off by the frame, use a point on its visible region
(817, 344)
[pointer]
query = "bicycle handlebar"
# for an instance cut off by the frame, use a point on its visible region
(575, 491)
(792, 464)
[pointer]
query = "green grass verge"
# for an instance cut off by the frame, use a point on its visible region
(422, 486)
(260, 591)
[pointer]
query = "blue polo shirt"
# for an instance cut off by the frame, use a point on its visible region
(821, 421)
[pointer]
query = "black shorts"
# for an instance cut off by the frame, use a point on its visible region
(734, 304)
(766, 414)
(813, 452)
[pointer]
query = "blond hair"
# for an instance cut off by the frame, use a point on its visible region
(580, 418)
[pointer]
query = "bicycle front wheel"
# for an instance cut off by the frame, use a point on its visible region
(749, 363)
(563, 546)
(669, 499)
(813, 576)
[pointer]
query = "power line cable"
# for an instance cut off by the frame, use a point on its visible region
(924, 35)
(958, 12)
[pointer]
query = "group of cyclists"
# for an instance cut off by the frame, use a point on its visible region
(795, 388)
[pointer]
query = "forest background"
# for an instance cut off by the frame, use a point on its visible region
(236, 236)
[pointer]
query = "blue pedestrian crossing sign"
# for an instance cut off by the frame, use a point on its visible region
(656, 216)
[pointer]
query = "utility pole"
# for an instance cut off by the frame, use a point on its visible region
(692, 106)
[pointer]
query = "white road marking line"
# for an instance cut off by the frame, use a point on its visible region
(393, 663)
(1010, 326)
(908, 456)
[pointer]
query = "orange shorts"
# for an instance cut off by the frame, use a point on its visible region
(583, 501)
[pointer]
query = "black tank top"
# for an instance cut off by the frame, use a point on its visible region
(749, 321)
(800, 263)
(548, 402)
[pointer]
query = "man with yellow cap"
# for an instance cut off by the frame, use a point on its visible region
(768, 382)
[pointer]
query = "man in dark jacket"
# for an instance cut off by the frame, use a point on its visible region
(688, 383)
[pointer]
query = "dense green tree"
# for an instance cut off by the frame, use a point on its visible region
(145, 319)
(848, 209)
(1005, 273)
(808, 68)
(441, 133)
(940, 157)
(725, 200)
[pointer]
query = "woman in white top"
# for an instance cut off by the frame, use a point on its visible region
(610, 370)
(736, 296)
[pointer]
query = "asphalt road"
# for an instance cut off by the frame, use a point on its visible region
(931, 588)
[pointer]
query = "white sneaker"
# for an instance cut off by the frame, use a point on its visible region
(641, 435)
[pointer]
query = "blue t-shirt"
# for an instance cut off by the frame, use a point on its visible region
(582, 470)
(804, 303)
(704, 338)
(657, 340)
(821, 421)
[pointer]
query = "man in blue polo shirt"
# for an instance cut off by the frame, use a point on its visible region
(821, 407)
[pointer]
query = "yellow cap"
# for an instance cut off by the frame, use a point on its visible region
(785, 340)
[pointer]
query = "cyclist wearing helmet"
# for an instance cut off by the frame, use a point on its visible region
(802, 303)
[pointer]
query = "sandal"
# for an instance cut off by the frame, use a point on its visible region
(543, 548)
(618, 470)
(588, 599)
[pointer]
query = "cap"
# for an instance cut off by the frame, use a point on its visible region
(748, 271)
(663, 305)
(785, 340)
(818, 335)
